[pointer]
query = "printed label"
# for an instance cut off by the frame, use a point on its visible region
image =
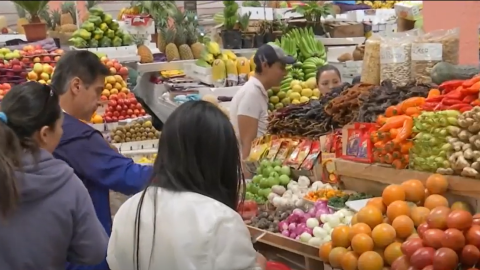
(392, 55)
(427, 52)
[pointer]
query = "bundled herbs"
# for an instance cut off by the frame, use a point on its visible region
(381, 97)
(344, 108)
(307, 119)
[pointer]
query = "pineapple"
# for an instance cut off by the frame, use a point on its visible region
(143, 51)
(162, 28)
(171, 50)
(22, 19)
(68, 12)
(183, 48)
(56, 15)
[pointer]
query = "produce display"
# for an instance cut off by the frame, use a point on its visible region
(36, 54)
(4, 89)
(41, 73)
(137, 130)
(99, 30)
(115, 67)
(270, 177)
(338, 202)
(122, 106)
(377, 4)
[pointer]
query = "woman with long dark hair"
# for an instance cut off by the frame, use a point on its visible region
(186, 219)
(46, 214)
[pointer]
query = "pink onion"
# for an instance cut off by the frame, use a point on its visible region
(282, 226)
(321, 212)
(286, 233)
(297, 238)
(321, 204)
(308, 230)
(300, 228)
(311, 211)
(298, 211)
(292, 226)
(292, 235)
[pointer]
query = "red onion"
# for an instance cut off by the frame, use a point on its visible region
(308, 230)
(282, 226)
(321, 212)
(286, 233)
(300, 228)
(298, 211)
(292, 235)
(321, 204)
(311, 211)
(292, 226)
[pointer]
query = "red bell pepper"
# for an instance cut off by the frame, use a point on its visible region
(455, 94)
(470, 98)
(458, 106)
(465, 108)
(247, 209)
(451, 84)
(451, 101)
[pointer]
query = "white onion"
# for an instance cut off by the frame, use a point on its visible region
(319, 232)
(333, 221)
(312, 223)
(327, 227)
(315, 241)
(305, 237)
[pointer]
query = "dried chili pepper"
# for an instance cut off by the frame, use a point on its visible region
(470, 98)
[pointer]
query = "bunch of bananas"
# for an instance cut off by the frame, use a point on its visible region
(128, 11)
(379, 4)
(301, 43)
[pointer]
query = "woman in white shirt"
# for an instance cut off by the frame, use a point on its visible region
(186, 218)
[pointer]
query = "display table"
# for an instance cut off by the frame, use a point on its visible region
(373, 178)
(301, 255)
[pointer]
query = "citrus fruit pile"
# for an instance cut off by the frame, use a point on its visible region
(410, 227)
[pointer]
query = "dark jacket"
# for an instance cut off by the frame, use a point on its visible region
(53, 222)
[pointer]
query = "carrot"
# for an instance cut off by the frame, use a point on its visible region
(393, 133)
(405, 148)
(413, 111)
(374, 137)
(396, 155)
(394, 122)
(411, 102)
(406, 158)
(381, 120)
(397, 164)
(434, 93)
(389, 146)
(388, 158)
(391, 111)
(380, 146)
(406, 130)
(376, 156)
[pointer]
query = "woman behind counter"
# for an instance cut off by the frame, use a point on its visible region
(328, 77)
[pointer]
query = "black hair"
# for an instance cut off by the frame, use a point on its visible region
(356, 79)
(28, 107)
(329, 67)
(198, 152)
(82, 64)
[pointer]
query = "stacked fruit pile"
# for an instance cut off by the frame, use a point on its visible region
(115, 67)
(293, 92)
(138, 130)
(41, 73)
(122, 106)
(7, 54)
(445, 236)
(99, 30)
(35, 54)
(4, 89)
(114, 86)
(12, 72)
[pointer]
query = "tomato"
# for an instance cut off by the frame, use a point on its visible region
(401, 263)
(433, 238)
(459, 219)
(422, 228)
(248, 209)
(430, 267)
(470, 255)
(411, 245)
(445, 259)
(476, 219)
(473, 236)
(120, 101)
(437, 219)
(422, 257)
(454, 239)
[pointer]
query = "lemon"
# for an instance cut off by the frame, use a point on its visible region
(297, 88)
(271, 106)
(311, 83)
(278, 105)
(289, 92)
(294, 82)
(281, 95)
(295, 101)
(304, 85)
(316, 92)
(294, 95)
(275, 89)
(304, 99)
(274, 99)
(307, 92)
(286, 101)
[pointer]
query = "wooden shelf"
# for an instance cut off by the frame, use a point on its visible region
(308, 253)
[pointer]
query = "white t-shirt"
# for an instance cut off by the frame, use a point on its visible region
(193, 232)
(251, 100)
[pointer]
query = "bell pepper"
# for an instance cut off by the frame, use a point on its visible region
(465, 108)
(247, 209)
(451, 101)
(451, 84)
(470, 98)
(458, 106)
(471, 82)
(456, 94)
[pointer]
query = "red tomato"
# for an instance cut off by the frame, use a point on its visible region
(470, 255)
(422, 228)
(437, 219)
(411, 245)
(473, 236)
(459, 219)
(401, 263)
(248, 209)
(433, 238)
(422, 258)
(445, 259)
(454, 239)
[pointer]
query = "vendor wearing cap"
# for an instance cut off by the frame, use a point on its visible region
(249, 107)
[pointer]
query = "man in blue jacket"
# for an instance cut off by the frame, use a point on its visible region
(79, 78)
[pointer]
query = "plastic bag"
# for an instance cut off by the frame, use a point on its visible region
(431, 48)
(395, 60)
(371, 61)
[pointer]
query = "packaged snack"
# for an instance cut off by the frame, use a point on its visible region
(285, 149)
(311, 159)
(274, 148)
(304, 151)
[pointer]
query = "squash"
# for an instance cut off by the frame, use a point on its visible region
(444, 71)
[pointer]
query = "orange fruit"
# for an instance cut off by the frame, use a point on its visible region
(354, 220)
(370, 260)
(414, 190)
(392, 252)
(377, 202)
(336, 255)
(396, 209)
(419, 214)
(393, 193)
(436, 184)
(359, 228)
(349, 261)
(383, 235)
(403, 226)
(340, 236)
(370, 215)
(435, 200)
(362, 243)
(324, 251)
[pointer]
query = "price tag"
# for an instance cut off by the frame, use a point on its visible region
(427, 52)
(392, 55)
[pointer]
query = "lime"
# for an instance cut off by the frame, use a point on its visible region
(274, 99)
(281, 95)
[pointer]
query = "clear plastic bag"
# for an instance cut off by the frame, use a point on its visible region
(395, 61)
(431, 48)
(371, 61)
